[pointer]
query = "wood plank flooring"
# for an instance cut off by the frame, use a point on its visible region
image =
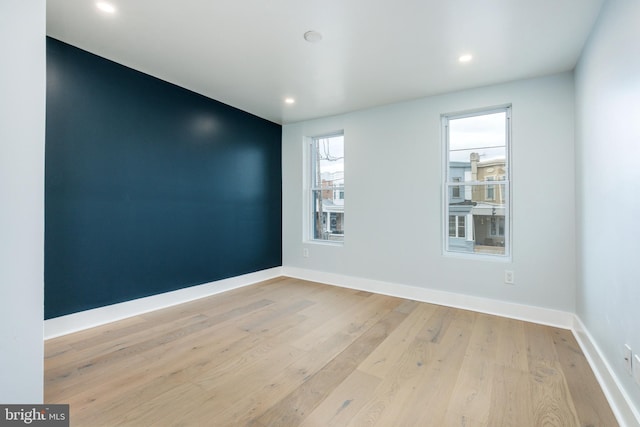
(294, 353)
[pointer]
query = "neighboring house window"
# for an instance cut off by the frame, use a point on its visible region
(497, 227)
(490, 189)
(477, 207)
(455, 191)
(326, 219)
(456, 226)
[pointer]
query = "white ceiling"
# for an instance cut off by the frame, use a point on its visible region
(251, 54)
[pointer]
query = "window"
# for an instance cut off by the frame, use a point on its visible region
(456, 226)
(490, 189)
(327, 188)
(497, 226)
(455, 191)
(477, 206)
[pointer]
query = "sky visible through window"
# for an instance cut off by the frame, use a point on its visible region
(331, 156)
(484, 134)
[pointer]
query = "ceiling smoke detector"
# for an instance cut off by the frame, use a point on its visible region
(312, 36)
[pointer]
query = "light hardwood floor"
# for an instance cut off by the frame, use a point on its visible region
(294, 353)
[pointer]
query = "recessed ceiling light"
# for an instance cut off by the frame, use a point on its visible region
(465, 58)
(312, 36)
(289, 101)
(106, 7)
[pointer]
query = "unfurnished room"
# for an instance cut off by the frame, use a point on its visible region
(305, 213)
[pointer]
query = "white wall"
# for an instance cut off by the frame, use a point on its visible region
(22, 119)
(608, 189)
(393, 163)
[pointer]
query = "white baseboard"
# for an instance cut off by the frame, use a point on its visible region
(99, 316)
(621, 404)
(545, 316)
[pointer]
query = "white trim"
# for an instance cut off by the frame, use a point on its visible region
(99, 316)
(507, 182)
(313, 186)
(541, 315)
(621, 403)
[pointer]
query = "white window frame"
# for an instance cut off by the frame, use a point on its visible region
(311, 163)
(449, 183)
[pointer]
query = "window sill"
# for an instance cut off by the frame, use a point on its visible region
(323, 242)
(478, 256)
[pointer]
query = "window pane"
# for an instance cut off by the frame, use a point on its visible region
(475, 131)
(477, 225)
(478, 138)
(328, 219)
(329, 161)
(327, 188)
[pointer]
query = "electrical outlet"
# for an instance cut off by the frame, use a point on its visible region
(628, 354)
(305, 252)
(636, 368)
(509, 277)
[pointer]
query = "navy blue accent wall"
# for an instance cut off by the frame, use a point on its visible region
(149, 187)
